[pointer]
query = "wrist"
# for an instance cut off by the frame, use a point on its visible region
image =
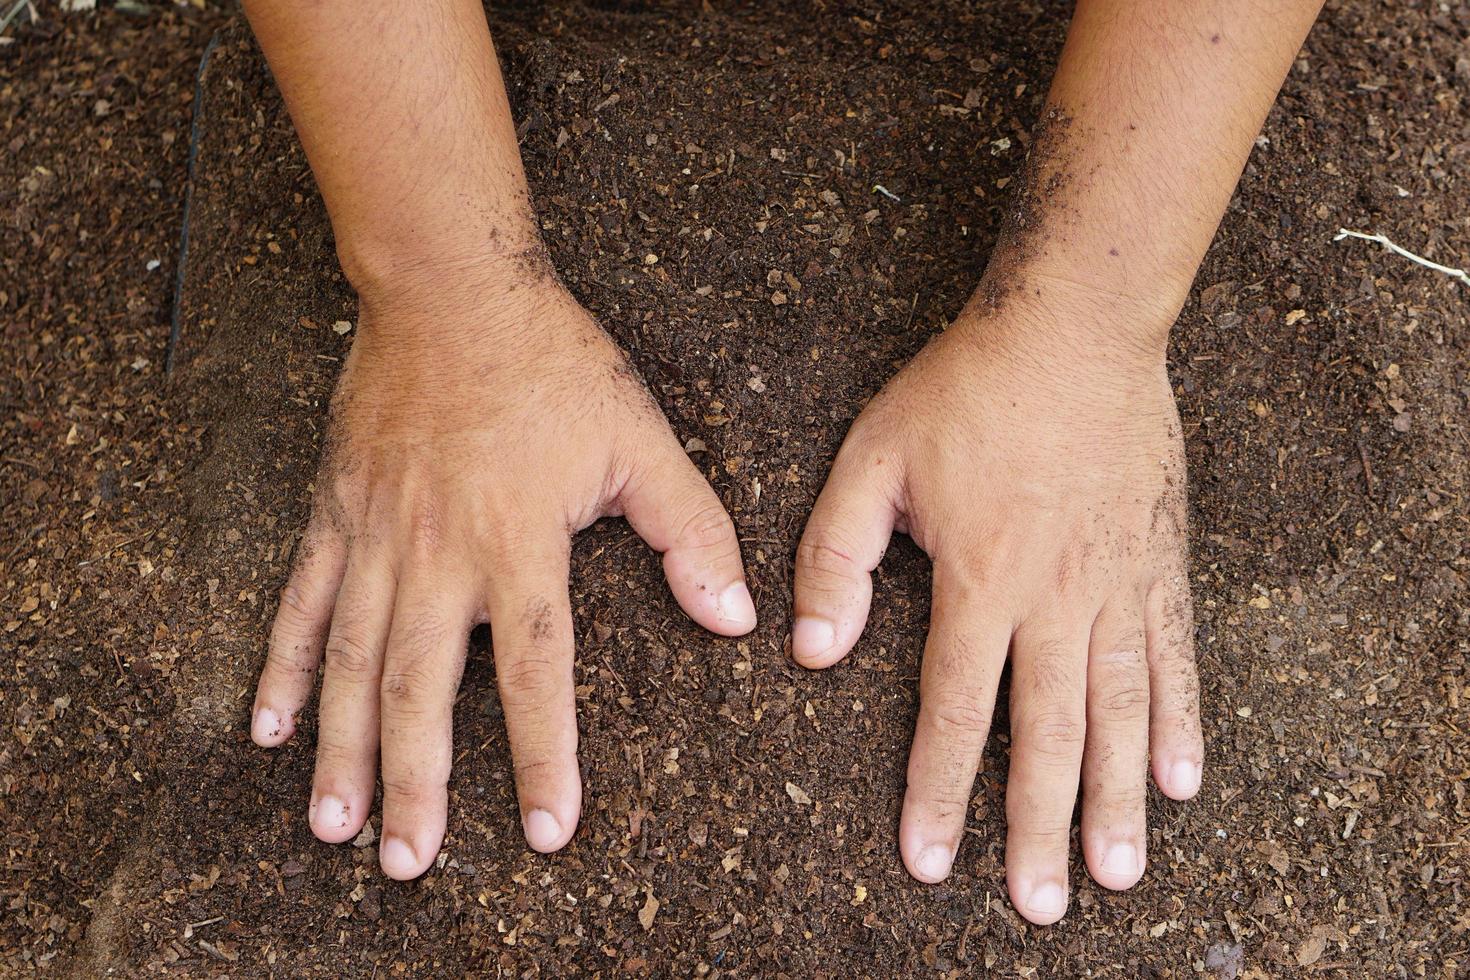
(388, 263)
(1067, 306)
(1069, 330)
(453, 304)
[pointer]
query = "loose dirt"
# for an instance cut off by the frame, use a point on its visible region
(741, 813)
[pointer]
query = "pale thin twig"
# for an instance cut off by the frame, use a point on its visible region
(1459, 274)
(14, 11)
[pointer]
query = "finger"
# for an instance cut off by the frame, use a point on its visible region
(531, 633)
(421, 672)
(300, 629)
(963, 658)
(347, 733)
(674, 509)
(1048, 725)
(1115, 759)
(844, 540)
(1176, 743)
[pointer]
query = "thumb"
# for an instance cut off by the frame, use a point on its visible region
(674, 509)
(844, 540)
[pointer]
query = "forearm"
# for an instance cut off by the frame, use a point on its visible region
(404, 118)
(1151, 116)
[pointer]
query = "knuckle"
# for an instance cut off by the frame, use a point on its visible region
(528, 680)
(706, 526)
(404, 686)
(944, 802)
(286, 660)
(1127, 799)
(824, 557)
(958, 712)
(1066, 570)
(1122, 686)
(347, 655)
(1056, 736)
(297, 605)
(411, 790)
(1043, 832)
(508, 539)
(1126, 697)
(1125, 700)
(335, 754)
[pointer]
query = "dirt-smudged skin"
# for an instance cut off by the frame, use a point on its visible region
(1354, 683)
(1036, 213)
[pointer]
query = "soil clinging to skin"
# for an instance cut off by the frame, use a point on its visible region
(149, 522)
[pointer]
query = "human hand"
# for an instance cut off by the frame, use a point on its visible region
(1045, 479)
(481, 419)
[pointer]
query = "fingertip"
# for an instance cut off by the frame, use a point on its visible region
(1179, 780)
(813, 639)
(725, 610)
(546, 833)
(928, 837)
(1116, 865)
(734, 611)
(398, 859)
(332, 819)
(270, 728)
(929, 863)
(551, 805)
(1040, 903)
(833, 593)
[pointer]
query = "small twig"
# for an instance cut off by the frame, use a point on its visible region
(197, 114)
(1453, 273)
(1367, 468)
(120, 544)
(14, 12)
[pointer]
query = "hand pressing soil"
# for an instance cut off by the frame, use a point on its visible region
(1049, 491)
(482, 418)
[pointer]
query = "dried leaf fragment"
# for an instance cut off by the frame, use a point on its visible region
(797, 794)
(649, 910)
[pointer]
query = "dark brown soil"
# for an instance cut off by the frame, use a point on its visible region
(148, 520)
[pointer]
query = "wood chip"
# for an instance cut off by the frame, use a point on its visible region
(649, 910)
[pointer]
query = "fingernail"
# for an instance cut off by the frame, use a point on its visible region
(736, 607)
(328, 813)
(933, 863)
(543, 833)
(397, 859)
(1121, 859)
(1184, 777)
(811, 637)
(1047, 901)
(266, 726)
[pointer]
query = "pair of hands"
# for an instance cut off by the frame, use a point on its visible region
(480, 422)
